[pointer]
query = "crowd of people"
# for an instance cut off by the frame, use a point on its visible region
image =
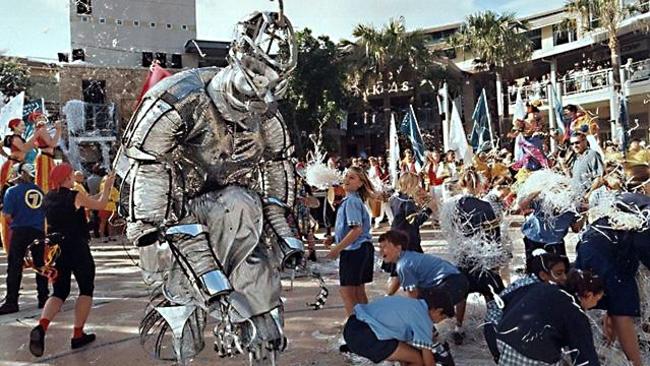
(540, 318)
(46, 208)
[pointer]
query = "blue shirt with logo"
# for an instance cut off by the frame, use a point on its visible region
(352, 213)
(417, 270)
(24, 202)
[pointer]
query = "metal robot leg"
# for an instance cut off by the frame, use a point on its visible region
(191, 248)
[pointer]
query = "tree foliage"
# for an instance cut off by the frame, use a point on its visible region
(315, 92)
(607, 14)
(14, 77)
(496, 40)
(389, 52)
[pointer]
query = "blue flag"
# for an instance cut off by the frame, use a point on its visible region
(624, 125)
(557, 105)
(480, 140)
(411, 128)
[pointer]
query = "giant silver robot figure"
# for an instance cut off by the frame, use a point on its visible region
(206, 195)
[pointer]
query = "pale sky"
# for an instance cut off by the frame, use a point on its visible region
(40, 28)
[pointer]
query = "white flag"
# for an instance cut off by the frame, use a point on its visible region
(519, 114)
(11, 110)
(458, 138)
(520, 108)
(393, 152)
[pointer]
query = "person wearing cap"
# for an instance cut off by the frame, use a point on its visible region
(23, 206)
(65, 214)
(46, 144)
(399, 329)
(18, 147)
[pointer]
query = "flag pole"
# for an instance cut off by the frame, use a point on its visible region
(446, 123)
(487, 112)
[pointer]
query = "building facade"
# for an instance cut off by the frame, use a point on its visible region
(129, 33)
(573, 63)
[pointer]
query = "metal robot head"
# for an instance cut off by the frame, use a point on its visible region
(264, 51)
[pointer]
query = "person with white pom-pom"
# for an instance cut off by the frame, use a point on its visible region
(613, 246)
(544, 232)
(477, 219)
(541, 267)
(544, 320)
(353, 239)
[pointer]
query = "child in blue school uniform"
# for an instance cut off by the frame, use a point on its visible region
(542, 320)
(541, 267)
(418, 273)
(400, 329)
(615, 252)
(353, 239)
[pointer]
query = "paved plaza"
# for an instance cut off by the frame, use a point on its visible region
(121, 297)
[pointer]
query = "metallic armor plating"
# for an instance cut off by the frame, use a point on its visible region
(206, 194)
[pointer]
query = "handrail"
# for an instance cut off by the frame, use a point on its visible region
(638, 71)
(535, 91)
(583, 82)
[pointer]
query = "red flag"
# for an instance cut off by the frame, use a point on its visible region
(156, 73)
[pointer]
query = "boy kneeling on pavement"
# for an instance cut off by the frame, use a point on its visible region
(397, 328)
(418, 272)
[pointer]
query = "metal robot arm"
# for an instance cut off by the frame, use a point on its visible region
(278, 186)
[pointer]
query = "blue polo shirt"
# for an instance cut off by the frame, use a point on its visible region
(24, 202)
(351, 213)
(547, 230)
(417, 270)
(398, 317)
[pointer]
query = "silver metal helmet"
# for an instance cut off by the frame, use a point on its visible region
(265, 50)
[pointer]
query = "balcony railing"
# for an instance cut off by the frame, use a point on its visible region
(535, 91)
(584, 82)
(638, 71)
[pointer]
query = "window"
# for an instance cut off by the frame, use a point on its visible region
(562, 35)
(78, 54)
(118, 21)
(63, 57)
(450, 53)
(102, 20)
(152, 25)
(169, 26)
(84, 19)
(93, 91)
(136, 23)
(535, 37)
(84, 7)
(147, 58)
(184, 27)
(177, 61)
(162, 58)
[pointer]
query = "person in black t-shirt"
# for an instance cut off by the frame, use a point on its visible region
(65, 213)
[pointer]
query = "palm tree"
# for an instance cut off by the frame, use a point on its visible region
(383, 54)
(496, 41)
(607, 14)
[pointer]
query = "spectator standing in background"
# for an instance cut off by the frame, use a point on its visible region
(23, 207)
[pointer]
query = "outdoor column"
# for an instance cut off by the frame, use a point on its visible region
(613, 106)
(499, 100)
(552, 87)
(551, 113)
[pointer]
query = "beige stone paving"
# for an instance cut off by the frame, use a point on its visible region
(121, 298)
